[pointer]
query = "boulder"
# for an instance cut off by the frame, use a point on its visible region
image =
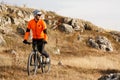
(100, 42)
(92, 43)
(66, 28)
(20, 30)
(112, 76)
(116, 35)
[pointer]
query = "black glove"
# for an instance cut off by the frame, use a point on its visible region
(44, 41)
(25, 42)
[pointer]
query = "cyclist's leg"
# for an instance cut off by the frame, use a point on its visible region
(40, 47)
(45, 67)
(34, 44)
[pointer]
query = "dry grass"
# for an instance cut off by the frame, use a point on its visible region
(5, 60)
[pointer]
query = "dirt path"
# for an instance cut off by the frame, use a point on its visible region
(72, 68)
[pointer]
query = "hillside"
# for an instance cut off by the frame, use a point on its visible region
(84, 50)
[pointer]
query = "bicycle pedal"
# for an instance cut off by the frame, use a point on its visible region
(46, 62)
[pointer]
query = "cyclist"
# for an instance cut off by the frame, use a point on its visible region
(39, 33)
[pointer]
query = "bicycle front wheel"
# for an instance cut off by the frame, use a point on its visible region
(32, 64)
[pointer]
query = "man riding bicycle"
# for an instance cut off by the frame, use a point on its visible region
(39, 33)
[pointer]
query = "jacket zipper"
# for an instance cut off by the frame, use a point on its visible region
(36, 30)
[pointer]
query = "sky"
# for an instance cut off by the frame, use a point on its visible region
(103, 13)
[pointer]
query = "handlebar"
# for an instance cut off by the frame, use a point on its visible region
(29, 43)
(26, 42)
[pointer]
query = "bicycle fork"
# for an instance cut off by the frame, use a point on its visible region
(36, 62)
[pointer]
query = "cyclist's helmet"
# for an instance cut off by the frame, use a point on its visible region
(36, 12)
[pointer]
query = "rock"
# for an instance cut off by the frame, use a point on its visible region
(56, 51)
(112, 76)
(6, 29)
(3, 8)
(49, 22)
(11, 51)
(19, 13)
(2, 31)
(116, 35)
(104, 43)
(78, 37)
(14, 15)
(75, 24)
(100, 42)
(2, 41)
(65, 27)
(60, 63)
(21, 31)
(67, 20)
(92, 43)
(87, 27)
(5, 20)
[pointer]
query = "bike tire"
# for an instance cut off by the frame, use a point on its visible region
(45, 67)
(32, 64)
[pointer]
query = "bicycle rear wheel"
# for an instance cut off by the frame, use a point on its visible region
(45, 67)
(32, 64)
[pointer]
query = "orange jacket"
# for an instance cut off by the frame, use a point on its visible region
(37, 30)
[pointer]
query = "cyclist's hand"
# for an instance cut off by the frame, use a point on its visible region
(26, 42)
(45, 41)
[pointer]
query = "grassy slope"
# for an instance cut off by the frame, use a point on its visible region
(80, 62)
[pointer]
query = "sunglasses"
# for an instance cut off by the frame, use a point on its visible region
(38, 14)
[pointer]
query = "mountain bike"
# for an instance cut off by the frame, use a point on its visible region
(37, 61)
